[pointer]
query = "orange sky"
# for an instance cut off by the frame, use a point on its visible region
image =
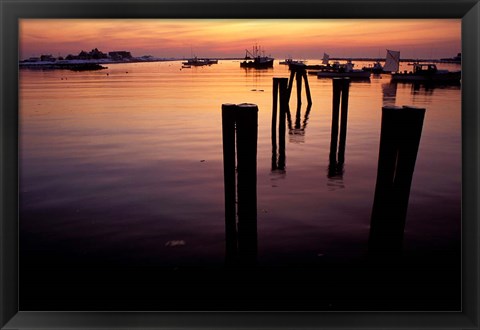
(305, 39)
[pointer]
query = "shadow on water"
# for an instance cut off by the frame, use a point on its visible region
(399, 141)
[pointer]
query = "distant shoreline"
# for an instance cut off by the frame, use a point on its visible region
(87, 65)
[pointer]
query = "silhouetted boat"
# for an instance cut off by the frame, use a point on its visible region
(376, 67)
(427, 72)
(199, 61)
(256, 59)
(456, 59)
(342, 70)
(289, 61)
(392, 62)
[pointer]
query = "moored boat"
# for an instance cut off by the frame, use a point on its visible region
(199, 61)
(376, 67)
(456, 59)
(342, 70)
(428, 73)
(256, 59)
(392, 62)
(289, 61)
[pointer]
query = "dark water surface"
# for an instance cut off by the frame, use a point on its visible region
(122, 195)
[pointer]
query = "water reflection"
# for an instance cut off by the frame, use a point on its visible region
(429, 88)
(256, 72)
(399, 141)
(389, 93)
(296, 132)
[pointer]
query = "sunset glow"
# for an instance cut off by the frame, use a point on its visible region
(434, 38)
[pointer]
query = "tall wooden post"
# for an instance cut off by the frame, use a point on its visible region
(247, 127)
(274, 110)
(343, 121)
(239, 128)
(307, 88)
(274, 122)
(228, 136)
(399, 141)
(280, 95)
(337, 88)
(290, 83)
(281, 124)
(340, 91)
(299, 77)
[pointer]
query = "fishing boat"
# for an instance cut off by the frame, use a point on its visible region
(195, 61)
(427, 73)
(342, 70)
(392, 62)
(376, 67)
(256, 59)
(456, 59)
(289, 61)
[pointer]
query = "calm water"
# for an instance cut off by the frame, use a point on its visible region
(124, 166)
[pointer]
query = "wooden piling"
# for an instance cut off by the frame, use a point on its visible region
(407, 153)
(274, 111)
(284, 95)
(343, 120)
(280, 96)
(399, 141)
(337, 87)
(290, 84)
(307, 87)
(247, 132)
(299, 78)
(228, 137)
(240, 129)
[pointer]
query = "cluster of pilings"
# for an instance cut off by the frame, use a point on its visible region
(401, 129)
(298, 72)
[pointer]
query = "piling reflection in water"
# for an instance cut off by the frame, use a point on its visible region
(389, 93)
(239, 129)
(296, 132)
(399, 141)
(341, 88)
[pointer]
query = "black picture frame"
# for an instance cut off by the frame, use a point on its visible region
(12, 10)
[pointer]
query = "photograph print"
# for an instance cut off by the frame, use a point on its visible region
(240, 164)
